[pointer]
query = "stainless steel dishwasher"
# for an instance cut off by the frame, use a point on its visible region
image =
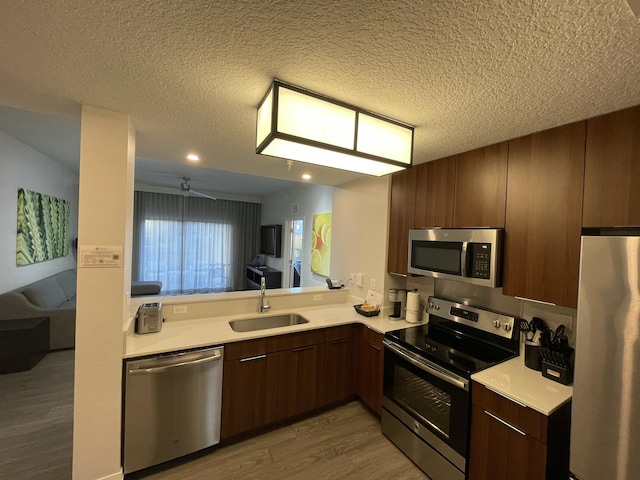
(172, 406)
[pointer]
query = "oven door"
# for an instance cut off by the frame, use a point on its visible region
(429, 400)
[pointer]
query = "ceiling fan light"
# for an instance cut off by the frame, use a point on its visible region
(300, 125)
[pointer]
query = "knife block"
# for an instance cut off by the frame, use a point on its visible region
(557, 366)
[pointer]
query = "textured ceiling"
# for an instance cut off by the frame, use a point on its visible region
(191, 73)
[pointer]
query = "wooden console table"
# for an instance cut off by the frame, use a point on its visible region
(273, 277)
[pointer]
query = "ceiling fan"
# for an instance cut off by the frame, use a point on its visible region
(186, 190)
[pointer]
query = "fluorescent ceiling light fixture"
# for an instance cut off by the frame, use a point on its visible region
(301, 125)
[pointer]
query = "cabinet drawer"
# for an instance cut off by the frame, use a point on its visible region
(247, 348)
(337, 333)
(297, 340)
(519, 416)
(372, 338)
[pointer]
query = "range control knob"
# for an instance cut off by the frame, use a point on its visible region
(437, 307)
(430, 305)
(496, 323)
(507, 327)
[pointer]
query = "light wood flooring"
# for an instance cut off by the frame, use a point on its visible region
(343, 443)
(36, 418)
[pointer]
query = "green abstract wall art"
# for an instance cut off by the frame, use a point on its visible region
(43, 228)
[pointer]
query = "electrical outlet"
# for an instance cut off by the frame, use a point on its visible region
(359, 279)
(373, 284)
(317, 297)
(179, 309)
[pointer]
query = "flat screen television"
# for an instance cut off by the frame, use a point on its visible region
(271, 240)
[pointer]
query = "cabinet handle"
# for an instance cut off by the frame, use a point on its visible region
(300, 349)
(339, 341)
(535, 301)
(505, 423)
(249, 359)
(372, 345)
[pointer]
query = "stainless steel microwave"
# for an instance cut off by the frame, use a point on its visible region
(463, 254)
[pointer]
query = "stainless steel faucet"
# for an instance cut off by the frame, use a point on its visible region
(263, 287)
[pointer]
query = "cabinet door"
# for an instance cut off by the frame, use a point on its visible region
(612, 170)
(249, 399)
(370, 368)
(543, 218)
(499, 451)
(481, 187)
(403, 197)
(299, 380)
(434, 193)
(338, 374)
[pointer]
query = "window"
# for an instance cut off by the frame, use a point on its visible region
(193, 245)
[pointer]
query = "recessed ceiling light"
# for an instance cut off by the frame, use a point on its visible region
(306, 176)
(193, 157)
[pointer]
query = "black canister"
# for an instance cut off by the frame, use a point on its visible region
(532, 357)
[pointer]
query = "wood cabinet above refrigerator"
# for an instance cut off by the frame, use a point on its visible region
(612, 170)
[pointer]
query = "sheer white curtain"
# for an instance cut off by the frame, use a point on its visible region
(193, 244)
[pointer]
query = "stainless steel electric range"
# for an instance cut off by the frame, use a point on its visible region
(427, 387)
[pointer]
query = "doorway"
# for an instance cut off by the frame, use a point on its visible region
(294, 267)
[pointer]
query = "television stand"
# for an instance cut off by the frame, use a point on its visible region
(273, 277)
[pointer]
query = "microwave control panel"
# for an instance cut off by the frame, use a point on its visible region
(479, 255)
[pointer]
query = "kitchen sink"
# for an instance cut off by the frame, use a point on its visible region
(264, 322)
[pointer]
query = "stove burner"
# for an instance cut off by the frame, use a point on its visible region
(463, 344)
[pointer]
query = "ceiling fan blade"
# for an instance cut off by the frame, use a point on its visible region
(200, 194)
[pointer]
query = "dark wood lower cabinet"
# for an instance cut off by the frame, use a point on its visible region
(510, 441)
(338, 376)
(370, 368)
(274, 379)
(249, 396)
(299, 380)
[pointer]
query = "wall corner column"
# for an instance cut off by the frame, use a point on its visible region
(107, 159)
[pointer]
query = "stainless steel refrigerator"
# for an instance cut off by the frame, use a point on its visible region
(605, 421)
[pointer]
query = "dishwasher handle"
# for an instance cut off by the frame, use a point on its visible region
(143, 371)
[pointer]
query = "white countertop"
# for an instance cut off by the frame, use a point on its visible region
(512, 379)
(182, 334)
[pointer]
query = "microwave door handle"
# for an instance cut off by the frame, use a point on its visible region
(463, 259)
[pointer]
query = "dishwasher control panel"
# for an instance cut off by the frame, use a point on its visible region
(149, 318)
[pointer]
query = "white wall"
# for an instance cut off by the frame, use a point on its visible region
(359, 233)
(278, 208)
(106, 172)
(23, 167)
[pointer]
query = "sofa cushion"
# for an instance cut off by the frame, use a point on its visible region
(46, 293)
(141, 288)
(67, 281)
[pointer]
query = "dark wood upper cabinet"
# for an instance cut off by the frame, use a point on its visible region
(435, 186)
(612, 170)
(481, 187)
(403, 198)
(543, 215)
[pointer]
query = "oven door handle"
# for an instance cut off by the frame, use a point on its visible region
(426, 366)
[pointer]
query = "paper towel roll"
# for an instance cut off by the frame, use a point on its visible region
(413, 301)
(412, 316)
